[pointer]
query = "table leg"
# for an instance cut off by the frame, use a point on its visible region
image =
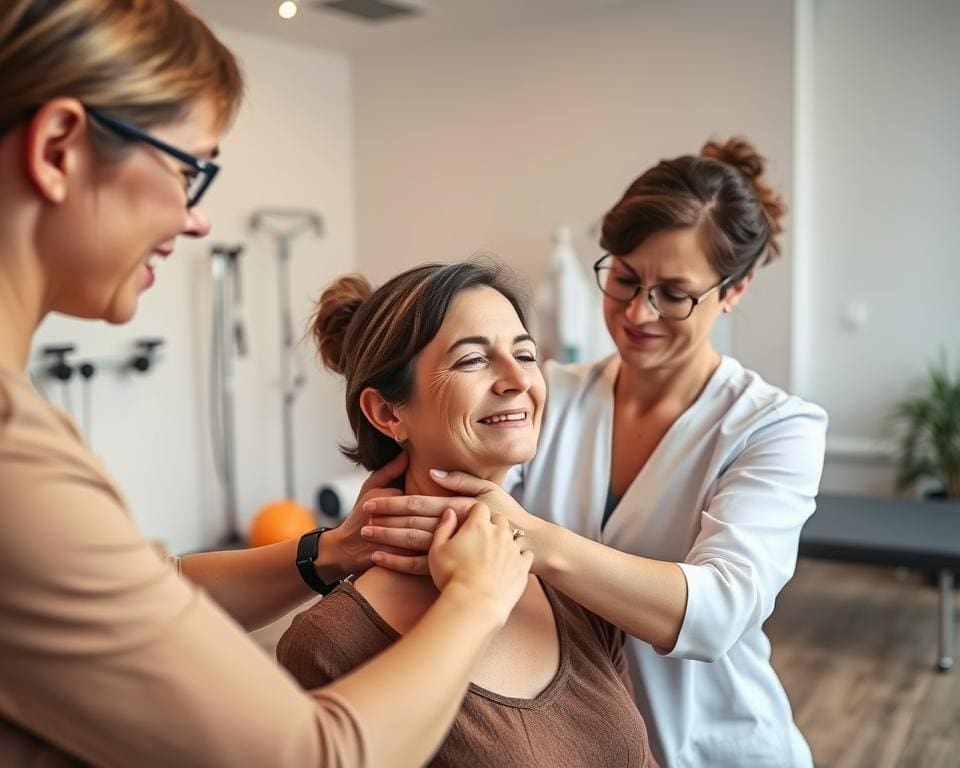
(947, 619)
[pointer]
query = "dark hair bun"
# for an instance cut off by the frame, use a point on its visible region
(742, 155)
(336, 308)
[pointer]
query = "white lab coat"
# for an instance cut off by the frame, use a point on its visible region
(724, 494)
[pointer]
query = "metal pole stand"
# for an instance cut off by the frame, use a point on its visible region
(285, 224)
(225, 272)
(947, 621)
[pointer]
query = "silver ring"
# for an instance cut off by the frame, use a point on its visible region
(518, 532)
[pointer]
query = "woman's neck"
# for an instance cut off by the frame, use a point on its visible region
(677, 386)
(21, 280)
(418, 481)
(402, 599)
(20, 311)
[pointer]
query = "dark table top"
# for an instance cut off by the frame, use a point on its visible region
(910, 532)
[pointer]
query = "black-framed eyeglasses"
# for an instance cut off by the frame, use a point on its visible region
(667, 301)
(201, 173)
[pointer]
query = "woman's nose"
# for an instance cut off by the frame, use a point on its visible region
(198, 223)
(640, 310)
(512, 378)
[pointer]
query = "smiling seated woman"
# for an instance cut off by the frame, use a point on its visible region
(439, 362)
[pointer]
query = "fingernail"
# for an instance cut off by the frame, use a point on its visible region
(377, 557)
(369, 506)
(438, 473)
(366, 531)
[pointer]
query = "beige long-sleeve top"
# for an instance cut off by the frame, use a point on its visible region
(107, 655)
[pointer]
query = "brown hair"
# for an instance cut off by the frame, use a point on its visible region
(722, 192)
(145, 61)
(372, 337)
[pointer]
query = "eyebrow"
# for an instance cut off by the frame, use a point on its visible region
(483, 341)
(671, 280)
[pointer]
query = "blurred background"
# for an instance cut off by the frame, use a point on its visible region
(439, 129)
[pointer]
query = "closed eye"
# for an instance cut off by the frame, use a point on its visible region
(189, 177)
(467, 363)
(673, 295)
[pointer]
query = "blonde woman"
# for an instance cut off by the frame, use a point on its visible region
(110, 117)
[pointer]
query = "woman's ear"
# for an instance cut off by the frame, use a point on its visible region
(383, 415)
(734, 293)
(53, 140)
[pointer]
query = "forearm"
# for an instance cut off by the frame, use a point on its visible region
(257, 586)
(644, 597)
(407, 697)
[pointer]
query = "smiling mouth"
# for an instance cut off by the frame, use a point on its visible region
(506, 417)
(641, 334)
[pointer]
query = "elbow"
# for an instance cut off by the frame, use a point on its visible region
(723, 602)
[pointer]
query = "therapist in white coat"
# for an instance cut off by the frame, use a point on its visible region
(671, 484)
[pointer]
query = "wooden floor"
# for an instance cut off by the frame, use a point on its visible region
(855, 647)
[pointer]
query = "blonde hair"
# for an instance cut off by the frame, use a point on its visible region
(145, 61)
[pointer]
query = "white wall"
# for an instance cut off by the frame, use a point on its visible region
(885, 171)
(291, 146)
(487, 144)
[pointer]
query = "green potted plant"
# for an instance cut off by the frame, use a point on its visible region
(929, 443)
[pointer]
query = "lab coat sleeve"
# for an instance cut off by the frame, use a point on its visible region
(746, 550)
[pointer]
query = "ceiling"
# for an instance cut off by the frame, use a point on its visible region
(438, 20)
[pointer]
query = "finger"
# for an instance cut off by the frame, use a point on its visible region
(428, 524)
(499, 520)
(461, 482)
(377, 493)
(416, 566)
(448, 524)
(389, 472)
(417, 506)
(402, 538)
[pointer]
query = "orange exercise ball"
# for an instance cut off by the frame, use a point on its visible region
(279, 521)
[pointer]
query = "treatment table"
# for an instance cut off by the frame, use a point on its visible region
(913, 533)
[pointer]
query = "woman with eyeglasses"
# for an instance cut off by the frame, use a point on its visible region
(671, 483)
(111, 112)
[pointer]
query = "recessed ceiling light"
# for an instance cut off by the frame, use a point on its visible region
(287, 9)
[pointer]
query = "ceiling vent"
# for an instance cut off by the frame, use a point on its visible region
(368, 10)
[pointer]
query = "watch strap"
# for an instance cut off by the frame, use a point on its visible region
(307, 550)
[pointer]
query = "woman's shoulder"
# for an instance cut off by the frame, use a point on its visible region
(576, 375)
(332, 637)
(30, 422)
(569, 383)
(43, 457)
(583, 626)
(344, 616)
(750, 400)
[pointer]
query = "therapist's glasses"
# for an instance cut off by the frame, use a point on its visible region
(198, 174)
(667, 301)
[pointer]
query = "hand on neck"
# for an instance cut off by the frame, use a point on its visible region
(419, 482)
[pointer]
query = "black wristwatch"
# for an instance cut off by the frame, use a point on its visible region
(306, 555)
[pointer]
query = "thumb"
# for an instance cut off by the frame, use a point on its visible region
(389, 472)
(460, 482)
(444, 531)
